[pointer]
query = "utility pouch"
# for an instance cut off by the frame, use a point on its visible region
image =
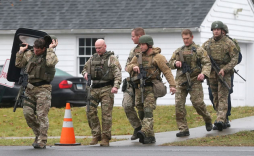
(159, 89)
(124, 87)
(30, 67)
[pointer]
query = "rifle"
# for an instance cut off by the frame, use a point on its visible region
(216, 68)
(141, 76)
(23, 81)
(186, 69)
(88, 88)
(236, 71)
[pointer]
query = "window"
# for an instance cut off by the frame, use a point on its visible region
(86, 49)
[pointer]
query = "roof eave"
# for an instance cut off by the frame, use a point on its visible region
(106, 31)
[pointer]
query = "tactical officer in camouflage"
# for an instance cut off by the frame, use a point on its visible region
(40, 67)
(106, 76)
(225, 32)
(225, 54)
(153, 63)
(128, 93)
(190, 80)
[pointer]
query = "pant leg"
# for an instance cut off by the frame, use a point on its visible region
(229, 96)
(223, 93)
(29, 108)
(92, 114)
(139, 105)
(107, 102)
(197, 99)
(180, 99)
(211, 96)
(149, 106)
(128, 105)
(43, 103)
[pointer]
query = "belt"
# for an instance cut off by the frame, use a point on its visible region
(100, 85)
(40, 83)
(136, 85)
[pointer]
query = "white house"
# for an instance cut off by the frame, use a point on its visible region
(77, 24)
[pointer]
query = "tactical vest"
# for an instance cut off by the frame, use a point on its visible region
(134, 52)
(38, 71)
(219, 51)
(152, 71)
(191, 58)
(100, 67)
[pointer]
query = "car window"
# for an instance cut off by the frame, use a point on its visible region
(61, 73)
(27, 39)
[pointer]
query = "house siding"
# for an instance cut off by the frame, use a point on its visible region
(241, 27)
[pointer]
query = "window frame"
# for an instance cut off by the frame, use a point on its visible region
(78, 65)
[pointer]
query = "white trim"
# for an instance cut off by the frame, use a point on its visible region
(67, 113)
(68, 124)
(105, 31)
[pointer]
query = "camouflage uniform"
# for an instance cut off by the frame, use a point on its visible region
(128, 96)
(194, 56)
(38, 92)
(232, 85)
(150, 63)
(103, 94)
(225, 54)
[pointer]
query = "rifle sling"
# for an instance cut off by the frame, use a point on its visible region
(33, 105)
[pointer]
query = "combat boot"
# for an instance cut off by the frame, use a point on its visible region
(95, 140)
(104, 141)
(41, 145)
(149, 140)
(182, 134)
(227, 123)
(209, 126)
(220, 125)
(215, 125)
(35, 141)
(141, 135)
(135, 136)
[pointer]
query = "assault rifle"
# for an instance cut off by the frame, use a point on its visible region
(88, 87)
(141, 76)
(236, 71)
(23, 81)
(216, 68)
(186, 69)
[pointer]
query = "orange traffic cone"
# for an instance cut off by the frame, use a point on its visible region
(67, 135)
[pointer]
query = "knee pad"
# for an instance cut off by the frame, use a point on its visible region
(141, 115)
(148, 112)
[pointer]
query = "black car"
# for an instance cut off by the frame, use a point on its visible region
(65, 89)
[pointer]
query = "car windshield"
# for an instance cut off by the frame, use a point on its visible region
(27, 39)
(61, 73)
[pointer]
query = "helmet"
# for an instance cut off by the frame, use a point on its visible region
(225, 28)
(146, 39)
(53, 37)
(217, 25)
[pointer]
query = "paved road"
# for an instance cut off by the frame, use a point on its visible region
(127, 151)
(133, 148)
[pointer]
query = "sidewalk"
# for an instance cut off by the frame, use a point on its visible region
(237, 125)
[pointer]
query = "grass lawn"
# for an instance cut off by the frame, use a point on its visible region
(50, 142)
(244, 138)
(14, 124)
